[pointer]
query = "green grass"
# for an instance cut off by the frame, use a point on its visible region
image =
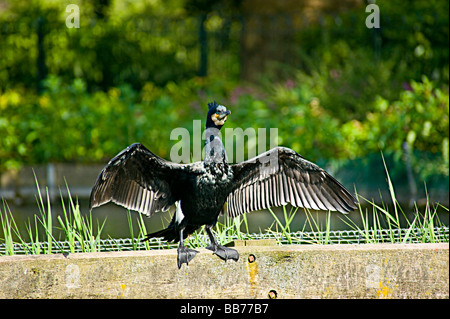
(375, 223)
(426, 221)
(78, 230)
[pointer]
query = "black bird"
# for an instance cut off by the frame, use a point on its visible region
(140, 180)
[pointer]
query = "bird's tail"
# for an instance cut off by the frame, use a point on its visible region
(169, 234)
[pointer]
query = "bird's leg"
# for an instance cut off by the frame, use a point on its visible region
(185, 255)
(224, 253)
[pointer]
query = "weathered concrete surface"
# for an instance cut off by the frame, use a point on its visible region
(333, 271)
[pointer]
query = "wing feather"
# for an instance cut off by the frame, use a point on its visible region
(138, 180)
(259, 184)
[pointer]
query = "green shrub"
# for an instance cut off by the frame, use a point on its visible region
(419, 118)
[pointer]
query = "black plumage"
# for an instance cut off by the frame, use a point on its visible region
(140, 180)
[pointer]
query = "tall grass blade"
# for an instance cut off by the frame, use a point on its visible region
(7, 227)
(391, 187)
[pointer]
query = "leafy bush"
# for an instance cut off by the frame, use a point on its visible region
(420, 118)
(67, 123)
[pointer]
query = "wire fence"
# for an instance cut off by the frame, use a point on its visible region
(414, 235)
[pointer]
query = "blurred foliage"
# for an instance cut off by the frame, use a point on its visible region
(419, 118)
(418, 121)
(129, 75)
(124, 44)
(66, 123)
(347, 65)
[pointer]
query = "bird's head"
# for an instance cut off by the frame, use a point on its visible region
(217, 115)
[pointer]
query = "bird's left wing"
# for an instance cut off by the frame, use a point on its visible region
(280, 176)
(138, 180)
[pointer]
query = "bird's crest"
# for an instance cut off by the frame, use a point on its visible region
(212, 104)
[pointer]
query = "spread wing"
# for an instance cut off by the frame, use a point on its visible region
(280, 176)
(138, 180)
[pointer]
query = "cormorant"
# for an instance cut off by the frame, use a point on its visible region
(140, 180)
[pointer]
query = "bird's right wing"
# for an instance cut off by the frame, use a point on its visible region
(138, 180)
(280, 176)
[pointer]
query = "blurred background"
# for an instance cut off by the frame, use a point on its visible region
(340, 93)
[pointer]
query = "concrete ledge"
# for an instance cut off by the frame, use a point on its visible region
(332, 271)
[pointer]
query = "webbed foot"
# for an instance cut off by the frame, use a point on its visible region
(185, 255)
(224, 253)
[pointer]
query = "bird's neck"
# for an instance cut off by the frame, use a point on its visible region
(214, 149)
